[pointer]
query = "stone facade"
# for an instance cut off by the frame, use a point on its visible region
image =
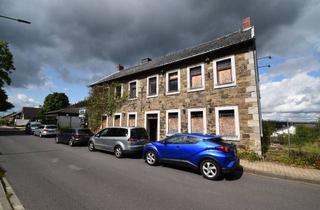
(245, 96)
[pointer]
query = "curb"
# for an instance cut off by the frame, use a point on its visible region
(4, 203)
(279, 176)
(13, 200)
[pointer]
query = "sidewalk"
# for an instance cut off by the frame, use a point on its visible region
(281, 171)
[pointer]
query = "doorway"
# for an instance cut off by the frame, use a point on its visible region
(152, 125)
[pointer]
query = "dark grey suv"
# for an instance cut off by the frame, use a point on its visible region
(74, 136)
(119, 140)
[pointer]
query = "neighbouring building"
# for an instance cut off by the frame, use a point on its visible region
(66, 118)
(209, 88)
(27, 114)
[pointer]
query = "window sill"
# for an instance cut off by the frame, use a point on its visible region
(172, 93)
(231, 138)
(132, 99)
(153, 96)
(196, 89)
(216, 86)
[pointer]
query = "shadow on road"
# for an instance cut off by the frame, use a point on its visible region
(11, 132)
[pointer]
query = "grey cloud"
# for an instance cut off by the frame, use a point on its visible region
(92, 36)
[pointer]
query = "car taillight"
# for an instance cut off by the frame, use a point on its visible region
(223, 149)
(45, 129)
(131, 139)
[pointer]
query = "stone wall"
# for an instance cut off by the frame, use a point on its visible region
(243, 95)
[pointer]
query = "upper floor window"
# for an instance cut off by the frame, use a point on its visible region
(196, 78)
(152, 84)
(173, 82)
(118, 91)
(224, 72)
(133, 89)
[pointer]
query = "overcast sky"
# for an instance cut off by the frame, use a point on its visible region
(72, 43)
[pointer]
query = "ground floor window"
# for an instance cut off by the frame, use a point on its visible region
(104, 121)
(197, 122)
(117, 120)
(227, 122)
(173, 121)
(132, 119)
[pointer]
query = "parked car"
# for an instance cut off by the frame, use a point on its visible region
(207, 153)
(31, 126)
(74, 136)
(120, 140)
(45, 130)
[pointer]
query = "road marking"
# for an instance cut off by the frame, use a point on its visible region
(74, 167)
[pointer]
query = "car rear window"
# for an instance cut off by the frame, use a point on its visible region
(139, 133)
(51, 127)
(215, 140)
(85, 131)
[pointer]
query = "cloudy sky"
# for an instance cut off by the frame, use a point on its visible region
(72, 43)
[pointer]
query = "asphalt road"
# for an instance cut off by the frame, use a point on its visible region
(46, 175)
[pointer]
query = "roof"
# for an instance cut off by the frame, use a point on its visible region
(70, 111)
(214, 45)
(198, 135)
(30, 112)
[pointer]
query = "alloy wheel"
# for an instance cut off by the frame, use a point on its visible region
(209, 169)
(151, 158)
(118, 152)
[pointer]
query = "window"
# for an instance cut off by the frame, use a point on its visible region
(118, 91)
(173, 82)
(227, 122)
(224, 72)
(196, 78)
(139, 133)
(197, 121)
(133, 89)
(132, 119)
(173, 121)
(152, 84)
(175, 140)
(117, 120)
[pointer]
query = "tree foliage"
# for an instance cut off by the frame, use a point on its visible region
(103, 100)
(6, 67)
(55, 101)
(80, 104)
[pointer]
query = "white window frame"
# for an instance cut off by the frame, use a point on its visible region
(115, 90)
(114, 116)
(107, 119)
(204, 113)
(203, 83)
(157, 87)
(135, 119)
(233, 72)
(236, 120)
(145, 121)
(137, 89)
(167, 82)
(167, 119)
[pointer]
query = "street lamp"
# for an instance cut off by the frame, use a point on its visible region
(16, 19)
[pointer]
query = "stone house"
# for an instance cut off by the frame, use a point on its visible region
(209, 88)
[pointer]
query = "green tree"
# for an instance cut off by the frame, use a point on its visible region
(6, 67)
(55, 101)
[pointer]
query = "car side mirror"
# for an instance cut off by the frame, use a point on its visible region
(164, 142)
(97, 135)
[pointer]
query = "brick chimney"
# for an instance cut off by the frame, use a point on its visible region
(119, 67)
(246, 23)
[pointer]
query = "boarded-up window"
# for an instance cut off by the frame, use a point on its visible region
(152, 89)
(195, 77)
(224, 72)
(227, 123)
(173, 123)
(132, 120)
(133, 90)
(173, 82)
(197, 122)
(117, 120)
(104, 122)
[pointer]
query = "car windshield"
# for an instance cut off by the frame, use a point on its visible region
(139, 133)
(85, 131)
(51, 127)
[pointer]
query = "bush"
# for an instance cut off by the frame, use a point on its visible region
(251, 156)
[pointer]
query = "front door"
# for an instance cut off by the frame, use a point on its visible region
(152, 126)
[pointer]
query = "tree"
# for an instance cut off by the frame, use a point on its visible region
(6, 67)
(80, 104)
(55, 101)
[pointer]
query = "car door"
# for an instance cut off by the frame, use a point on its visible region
(110, 138)
(189, 147)
(99, 139)
(171, 147)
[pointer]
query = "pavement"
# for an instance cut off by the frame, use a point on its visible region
(46, 175)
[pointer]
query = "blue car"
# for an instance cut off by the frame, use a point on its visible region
(207, 153)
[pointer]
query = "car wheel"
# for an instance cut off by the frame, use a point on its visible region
(91, 146)
(40, 135)
(210, 169)
(71, 143)
(151, 158)
(118, 152)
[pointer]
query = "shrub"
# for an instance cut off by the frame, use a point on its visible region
(251, 156)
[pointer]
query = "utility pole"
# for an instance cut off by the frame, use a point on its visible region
(289, 142)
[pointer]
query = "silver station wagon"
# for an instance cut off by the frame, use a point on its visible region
(120, 140)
